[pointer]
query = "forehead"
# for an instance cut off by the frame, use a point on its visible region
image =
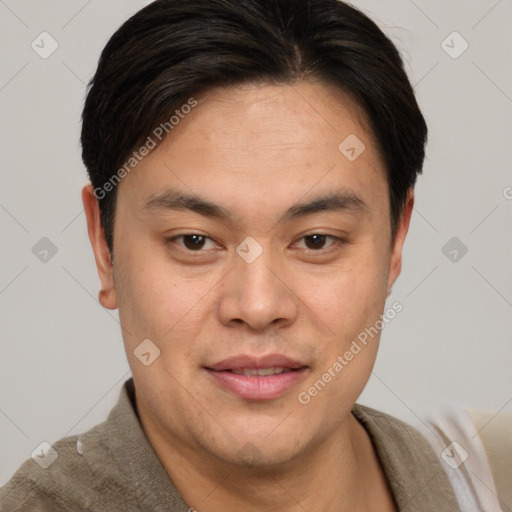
(264, 143)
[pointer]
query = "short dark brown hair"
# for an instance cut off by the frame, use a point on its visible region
(172, 50)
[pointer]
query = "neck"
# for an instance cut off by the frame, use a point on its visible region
(340, 474)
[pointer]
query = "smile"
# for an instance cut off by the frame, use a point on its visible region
(262, 372)
(257, 378)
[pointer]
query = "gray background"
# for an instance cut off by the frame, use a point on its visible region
(62, 360)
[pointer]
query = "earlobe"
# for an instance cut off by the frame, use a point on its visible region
(107, 295)
(395, 265)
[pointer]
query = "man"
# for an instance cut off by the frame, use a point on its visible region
(252, 166)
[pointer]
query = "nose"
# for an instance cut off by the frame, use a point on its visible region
(258, 293)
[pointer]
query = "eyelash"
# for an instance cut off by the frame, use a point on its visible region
(336, 242)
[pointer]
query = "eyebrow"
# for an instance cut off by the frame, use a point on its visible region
(340, 201)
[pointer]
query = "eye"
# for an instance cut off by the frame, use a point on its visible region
(195, 242)
(192, 241)
(316, 241)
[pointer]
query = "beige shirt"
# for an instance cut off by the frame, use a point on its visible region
(112, 467)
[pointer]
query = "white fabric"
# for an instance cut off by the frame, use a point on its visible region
(456, 442)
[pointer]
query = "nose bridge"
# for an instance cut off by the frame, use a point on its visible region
(256, 278)
(256, 294)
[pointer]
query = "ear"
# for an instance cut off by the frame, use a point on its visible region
(395, 264)
(107, 295)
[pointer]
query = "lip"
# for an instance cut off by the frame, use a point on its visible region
(256, 387)
(247, 361)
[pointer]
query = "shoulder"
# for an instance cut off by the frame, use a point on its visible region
(397, 443)
(72, 474)
(411, 466)
(385, 429)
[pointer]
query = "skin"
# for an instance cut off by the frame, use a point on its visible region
(255, 149)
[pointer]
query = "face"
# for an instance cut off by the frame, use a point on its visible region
(252, 252)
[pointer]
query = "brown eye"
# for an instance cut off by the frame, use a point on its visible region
(193, 242)
(316, 241)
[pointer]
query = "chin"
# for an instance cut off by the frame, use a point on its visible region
(257, 450)
(264, 458)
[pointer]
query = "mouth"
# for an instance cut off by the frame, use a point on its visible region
(262, 372)
(257, 378)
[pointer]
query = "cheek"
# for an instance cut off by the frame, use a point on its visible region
(350, 302)
(349, 297)
(153, 300)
